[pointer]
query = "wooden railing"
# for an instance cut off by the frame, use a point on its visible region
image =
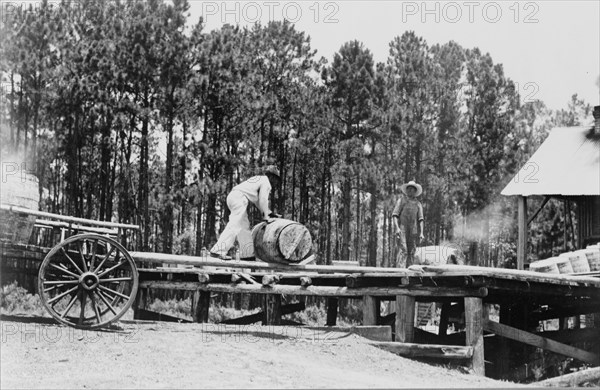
(50, 229)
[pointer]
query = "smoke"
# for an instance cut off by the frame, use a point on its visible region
(13, 164)
(493, 218)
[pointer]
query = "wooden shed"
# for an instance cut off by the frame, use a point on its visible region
(567, 167)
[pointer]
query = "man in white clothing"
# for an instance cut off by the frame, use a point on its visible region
(255, 190)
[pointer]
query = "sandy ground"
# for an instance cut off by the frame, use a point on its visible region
(170, 355)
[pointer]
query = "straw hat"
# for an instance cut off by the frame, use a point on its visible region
(412, 183)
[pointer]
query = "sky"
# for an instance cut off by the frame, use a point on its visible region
(551, 49)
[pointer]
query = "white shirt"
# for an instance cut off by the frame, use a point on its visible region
(255, 189)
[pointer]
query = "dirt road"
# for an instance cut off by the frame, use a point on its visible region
(170, 355)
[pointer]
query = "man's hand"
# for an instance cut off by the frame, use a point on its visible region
(421, 238)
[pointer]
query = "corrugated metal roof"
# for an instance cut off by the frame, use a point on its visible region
(567, 163)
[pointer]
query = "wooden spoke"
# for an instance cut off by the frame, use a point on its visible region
(103, 298)
(114, 280)
(80, 249)
(60, 296)
(108, 290)
(113, 268)
(64, 270)
(61, 282)
(69, 306)
(71, 260)
(51, 288)
(93, 259)
(112, 249)
(96, 310)
(83, 303)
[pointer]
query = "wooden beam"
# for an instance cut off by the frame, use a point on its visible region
(358, 281)
(405, 318)
(198, 261)
(541, 342)
(371, 332)
(568, 311)
(43, 214)
(522, 233)
(572, 335)
(508, 274)
(370, 307)
(574, 379)
(474, 328)
(425, 350)
(546, 199)
(324, 291)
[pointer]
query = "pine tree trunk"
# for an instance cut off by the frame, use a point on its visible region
(346, 216)
(372, 258)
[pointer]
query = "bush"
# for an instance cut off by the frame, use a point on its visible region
(15, 299)
(181, 308)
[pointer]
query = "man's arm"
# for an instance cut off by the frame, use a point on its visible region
(263, 198)
(396, 214)
(421, 223)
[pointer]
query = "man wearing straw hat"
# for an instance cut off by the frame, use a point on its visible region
(255, 190)
(408, 220)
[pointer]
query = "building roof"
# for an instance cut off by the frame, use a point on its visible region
(567, 163)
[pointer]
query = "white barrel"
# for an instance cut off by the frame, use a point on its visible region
(18, 189)
(592, 253)
(579, 261)
(547, 266)
(564, 265)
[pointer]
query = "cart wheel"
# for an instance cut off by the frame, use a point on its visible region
(87, 281)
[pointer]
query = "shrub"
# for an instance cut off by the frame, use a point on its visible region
(15, 299)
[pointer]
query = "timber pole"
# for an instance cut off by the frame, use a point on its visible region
(522, 224)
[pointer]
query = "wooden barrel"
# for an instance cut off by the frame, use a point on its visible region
(592, 253)
(281, 241)
(564, 265)
(578, 260)
(547, 266)
(18, 189)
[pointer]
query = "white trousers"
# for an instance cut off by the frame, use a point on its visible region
(237, 227)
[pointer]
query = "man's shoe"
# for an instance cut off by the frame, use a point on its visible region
(220, 256)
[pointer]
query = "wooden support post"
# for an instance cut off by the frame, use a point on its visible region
(405, 318)
(272, 309)
(141, 299)
(474, 323)
(443, 328)
(332, 311)
(200, 306)
(522, 237)
(370, 310)
(502, 358)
